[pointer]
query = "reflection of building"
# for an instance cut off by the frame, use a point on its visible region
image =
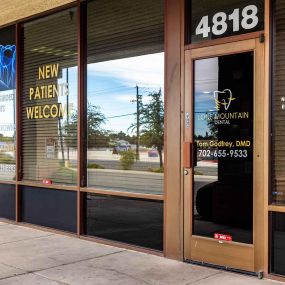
(224, 206)
(7, 146)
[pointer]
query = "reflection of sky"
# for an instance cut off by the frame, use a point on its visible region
(73, 87)
(206, 82)
(111, 86)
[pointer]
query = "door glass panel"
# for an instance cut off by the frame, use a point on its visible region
(223, 147)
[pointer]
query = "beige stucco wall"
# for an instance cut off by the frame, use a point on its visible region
(13, 10)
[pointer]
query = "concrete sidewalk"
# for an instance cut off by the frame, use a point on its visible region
(29, 256)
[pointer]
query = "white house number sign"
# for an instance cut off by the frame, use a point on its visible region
(239, 19)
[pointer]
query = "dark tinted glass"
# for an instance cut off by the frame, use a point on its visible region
(278, 105)
(7, 201)
(49, 208)
(208, 19)
(7, 103)
(49, 98)
(223, 135)
(133, 221)
(278, 243)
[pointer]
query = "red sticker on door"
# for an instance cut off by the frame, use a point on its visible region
(47, 181)
(223, 237)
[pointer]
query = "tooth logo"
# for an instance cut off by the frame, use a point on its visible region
(223, 98)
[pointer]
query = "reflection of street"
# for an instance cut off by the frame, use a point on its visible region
(106, 159)
(136, 181)
(208, 168)
(139, 179)
(126, 180)
(107, 154)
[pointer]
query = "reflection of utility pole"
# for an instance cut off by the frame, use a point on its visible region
(61, 140)
(138, 102)
(67, 110)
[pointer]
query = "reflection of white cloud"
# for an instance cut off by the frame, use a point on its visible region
(146, 70)
(202, 97)
(123, 98)
(206, 75)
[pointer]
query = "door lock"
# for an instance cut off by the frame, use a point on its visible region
(186, 172)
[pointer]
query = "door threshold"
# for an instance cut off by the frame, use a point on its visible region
(225, 268)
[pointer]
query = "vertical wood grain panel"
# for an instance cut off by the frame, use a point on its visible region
(259, 158)
(172, 213)
(188, 136)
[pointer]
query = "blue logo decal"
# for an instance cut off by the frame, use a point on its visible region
(7, 67)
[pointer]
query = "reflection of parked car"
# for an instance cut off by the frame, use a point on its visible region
(227, 201)
(121, 146)
(152, 153)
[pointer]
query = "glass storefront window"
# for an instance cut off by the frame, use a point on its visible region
(125, 120)
(7, 103)
(277, 194)
(125, 96)
(278, 106)
(49, 99)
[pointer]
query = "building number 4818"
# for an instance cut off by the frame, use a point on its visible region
(249, 20)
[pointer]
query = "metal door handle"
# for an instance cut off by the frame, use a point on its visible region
(187, 155)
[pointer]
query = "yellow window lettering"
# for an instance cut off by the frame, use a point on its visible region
(30, 112)
(46, 115)
(32, 91)
(38, 94)
(54, 111)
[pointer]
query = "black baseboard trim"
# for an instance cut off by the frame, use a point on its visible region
(225, 268)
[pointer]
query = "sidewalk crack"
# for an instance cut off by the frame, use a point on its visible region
(128, 275)
(204, 278)
(50, 279)
(21, 240)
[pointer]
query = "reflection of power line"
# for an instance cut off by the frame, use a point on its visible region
(119, 116)
(118, 89)
(113, 88)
